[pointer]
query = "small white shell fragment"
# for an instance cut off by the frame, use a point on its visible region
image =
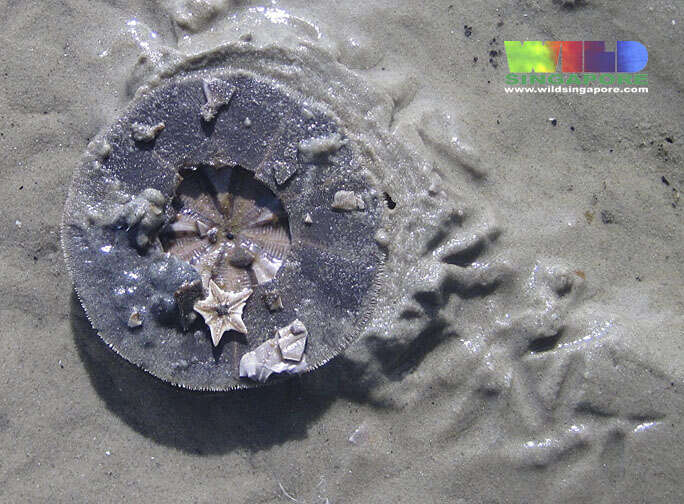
(266, 217)
(261, 363)
(183, 227)
(218, 94)
(145, 132)
(202, 228)
(318, 148)
(247, 122)
(308, 219)
(297, 327)
(292, 341)
(348, 201)
(282, 354)
(135, 320)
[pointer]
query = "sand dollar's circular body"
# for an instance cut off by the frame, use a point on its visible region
(226, 179)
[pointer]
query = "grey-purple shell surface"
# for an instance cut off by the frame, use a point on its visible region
(127, 203)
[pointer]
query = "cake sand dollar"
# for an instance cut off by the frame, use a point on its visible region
(204, 227)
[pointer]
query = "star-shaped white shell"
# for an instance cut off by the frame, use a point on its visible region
(222, 311)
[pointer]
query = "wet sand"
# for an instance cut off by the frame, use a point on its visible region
(528, 348)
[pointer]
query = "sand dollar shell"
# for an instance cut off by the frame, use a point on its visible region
(240, 198)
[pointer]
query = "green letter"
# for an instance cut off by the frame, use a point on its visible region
(573, 79)
(589, 77)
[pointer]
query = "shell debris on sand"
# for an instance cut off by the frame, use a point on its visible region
(282, 354)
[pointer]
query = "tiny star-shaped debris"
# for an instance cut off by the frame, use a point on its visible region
(222, 311)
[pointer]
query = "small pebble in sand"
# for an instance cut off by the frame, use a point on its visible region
(607, 217)
(308, 219)
(17, 223)
(553, 121)
(360, 435)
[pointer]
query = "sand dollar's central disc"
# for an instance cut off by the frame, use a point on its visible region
(230, 227)
(221, 233)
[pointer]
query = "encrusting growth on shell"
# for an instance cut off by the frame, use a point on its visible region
(145, 132)
(144, 214)
(222, 311)
(186, 296)
(347, 201)
(316, 150)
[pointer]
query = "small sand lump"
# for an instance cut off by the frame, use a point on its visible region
(144, 132)
(319, 149)
(348, 201)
